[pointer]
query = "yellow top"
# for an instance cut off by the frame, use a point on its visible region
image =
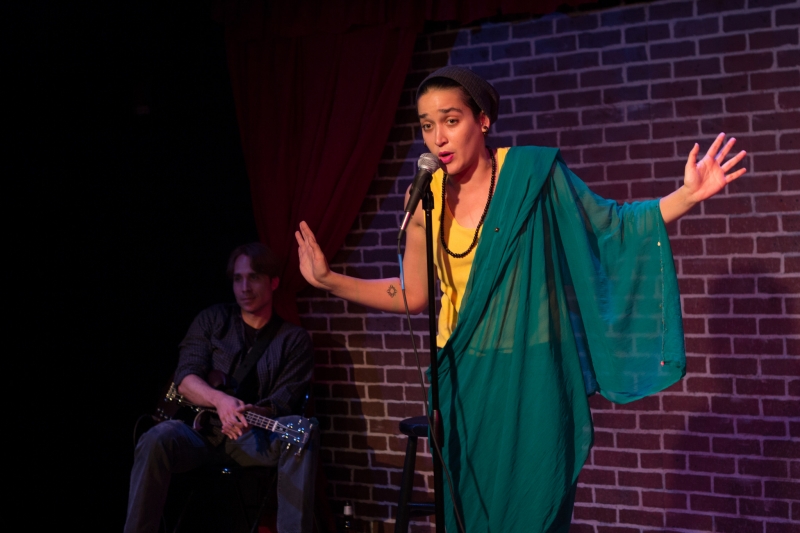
(453, 272)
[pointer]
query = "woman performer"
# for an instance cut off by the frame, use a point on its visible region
(549, 294)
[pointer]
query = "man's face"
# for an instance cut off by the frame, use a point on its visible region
(253, 291)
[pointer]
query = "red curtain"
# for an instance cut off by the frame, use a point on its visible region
(316, 85)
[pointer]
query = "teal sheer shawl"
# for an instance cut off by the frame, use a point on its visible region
(569, 294)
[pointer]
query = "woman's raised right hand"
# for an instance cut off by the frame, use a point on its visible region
(313, 264)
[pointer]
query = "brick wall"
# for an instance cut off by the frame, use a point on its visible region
(624, 92)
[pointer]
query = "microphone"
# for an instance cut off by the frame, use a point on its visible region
(427, 165)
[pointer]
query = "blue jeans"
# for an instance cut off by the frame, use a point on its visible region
(173, 447)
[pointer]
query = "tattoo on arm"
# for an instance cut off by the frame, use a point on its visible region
(392, 291)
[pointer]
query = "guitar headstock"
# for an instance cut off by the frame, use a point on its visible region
(296, 433)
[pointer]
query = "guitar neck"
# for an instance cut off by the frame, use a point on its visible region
(262, 421)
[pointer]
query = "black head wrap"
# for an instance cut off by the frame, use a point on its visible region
(486, 96)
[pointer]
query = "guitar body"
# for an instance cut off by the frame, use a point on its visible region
(172, 405)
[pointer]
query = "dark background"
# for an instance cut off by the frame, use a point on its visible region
(133, 193)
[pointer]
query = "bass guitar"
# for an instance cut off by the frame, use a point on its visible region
(174, 406)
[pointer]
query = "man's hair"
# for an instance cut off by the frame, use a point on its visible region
(262, 259)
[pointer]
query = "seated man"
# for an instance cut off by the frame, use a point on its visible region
(272, 384)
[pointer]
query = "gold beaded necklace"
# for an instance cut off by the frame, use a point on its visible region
(483, 216)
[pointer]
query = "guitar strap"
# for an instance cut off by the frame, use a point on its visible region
(256, 350)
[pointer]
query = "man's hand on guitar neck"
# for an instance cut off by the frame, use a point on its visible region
(235, 430)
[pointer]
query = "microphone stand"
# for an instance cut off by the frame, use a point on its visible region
(438, 487)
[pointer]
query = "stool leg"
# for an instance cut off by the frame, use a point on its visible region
(264, 501)
(177, 527)
(186, 509)
(237, 485)
(406, 485)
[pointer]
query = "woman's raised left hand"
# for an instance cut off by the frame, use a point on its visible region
(705, 178)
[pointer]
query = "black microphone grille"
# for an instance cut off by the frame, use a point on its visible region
(429, 162)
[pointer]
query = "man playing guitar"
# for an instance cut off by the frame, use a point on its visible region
(251, 371)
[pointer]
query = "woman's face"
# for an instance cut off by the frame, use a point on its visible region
(450, 130)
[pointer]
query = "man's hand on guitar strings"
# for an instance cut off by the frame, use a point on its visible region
(231, 414)
(239, 429)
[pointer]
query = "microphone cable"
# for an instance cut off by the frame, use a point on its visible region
(431, 427)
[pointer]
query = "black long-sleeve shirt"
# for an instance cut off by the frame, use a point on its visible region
(216, 341)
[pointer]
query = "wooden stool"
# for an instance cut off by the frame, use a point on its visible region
(414, 427)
